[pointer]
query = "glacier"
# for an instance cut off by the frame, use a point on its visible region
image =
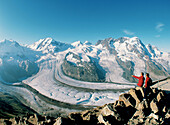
(40, 66)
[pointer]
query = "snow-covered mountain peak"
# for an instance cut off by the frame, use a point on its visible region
(16, 61)
(127, 40)
(122, 40)
(153, 50)
(130, 43)
(106, 42)
(6, 41)
(87, 43)
(11, 49)
(77, 43)
(47, 40)
(49, 45)
(135, 38)
(122, 55)
(122, 43)
(9, 43)
(42, 44)
(10, 46)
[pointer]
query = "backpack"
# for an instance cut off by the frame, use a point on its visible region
(150, 82)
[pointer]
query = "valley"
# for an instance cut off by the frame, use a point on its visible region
(93, 75)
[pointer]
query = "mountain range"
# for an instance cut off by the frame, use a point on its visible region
(109, 60)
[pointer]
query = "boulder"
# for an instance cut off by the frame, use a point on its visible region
(152, 115)
(167, 117)
(129, 109)
(107, 110)
(79, 119)
(119, 103)
(155, 90)
(139, 114)
(75, 116)
(164, 110)
(154, 106)
(13, 121)
(63, 121)
(2, 121)
(143, 106)
(128, 100)
(137, 95)
(102, 120)
(153, 122)
(160, 96)
(141, 89)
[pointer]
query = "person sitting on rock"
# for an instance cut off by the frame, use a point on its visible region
(140, 78)
(148, 83)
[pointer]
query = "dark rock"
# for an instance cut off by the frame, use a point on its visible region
(32, 119)
(128, 100)
(63, 121)
(141, 90)
(129, 109)
(137, 95)
(88, 71)
(154, 106)
(119, 103)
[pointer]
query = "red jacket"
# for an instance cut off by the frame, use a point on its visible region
(148, 82)
(141, 80)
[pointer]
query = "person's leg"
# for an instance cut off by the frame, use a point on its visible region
(145, 93)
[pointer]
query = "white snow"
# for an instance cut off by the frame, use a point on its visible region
(77, 43)
(49, 54)
(16, 61)
(161, 57)
(49, 45)
(71, 59)
(72, 91)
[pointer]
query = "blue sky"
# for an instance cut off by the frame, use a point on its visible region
(27, 21)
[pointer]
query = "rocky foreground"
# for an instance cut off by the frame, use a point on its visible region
(129, 109)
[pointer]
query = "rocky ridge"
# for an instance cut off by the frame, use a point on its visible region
(124, 55)
(85, 71)
(129, 109)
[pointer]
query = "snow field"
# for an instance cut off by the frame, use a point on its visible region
(45, 83)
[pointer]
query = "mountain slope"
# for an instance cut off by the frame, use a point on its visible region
(16, 62)
(113, 59)
(12, 107)
(129, 109)
(122, 57)
(82, 68)
(134, 57)
(118, 58)
(49, 45)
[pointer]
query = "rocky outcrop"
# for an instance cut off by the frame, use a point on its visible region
(83, 70)
(29, 119)
(130, 109)
(10, 106)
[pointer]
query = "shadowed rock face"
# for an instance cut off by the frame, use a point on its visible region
(129, 109)
(16, 62)
(12, 71)
(128, 68)
(87, 71)
(11, 107)
(155, 69)
(151, 56)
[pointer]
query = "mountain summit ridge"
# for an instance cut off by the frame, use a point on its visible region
(124, 55)
(49, 45)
